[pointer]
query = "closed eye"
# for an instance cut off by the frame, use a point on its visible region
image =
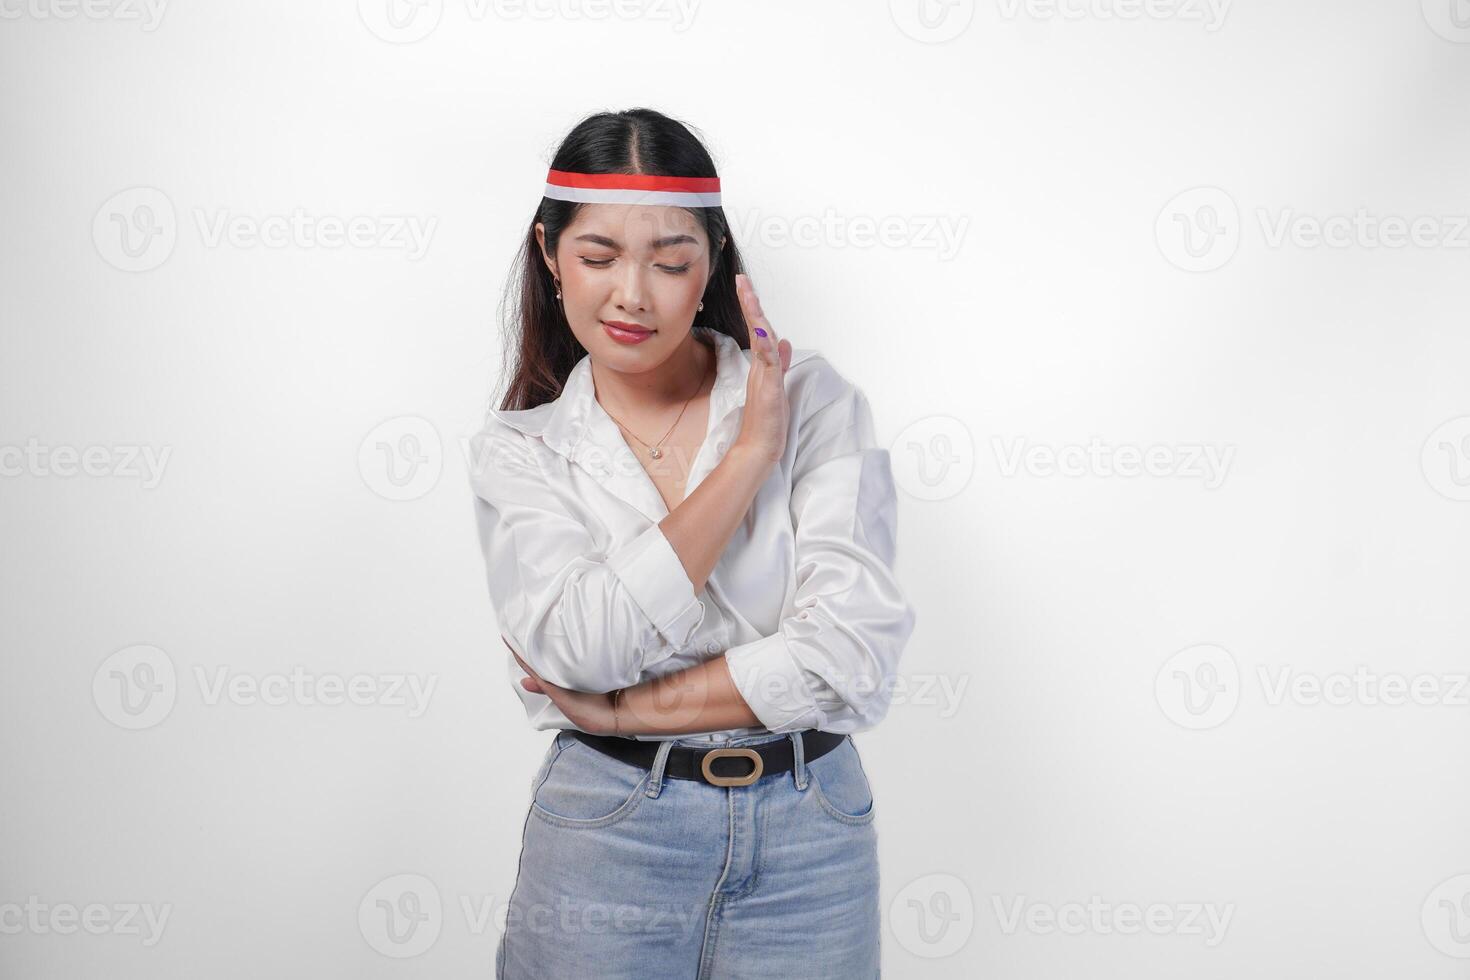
(677, 270)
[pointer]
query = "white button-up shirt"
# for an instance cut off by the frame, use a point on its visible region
(803, 601)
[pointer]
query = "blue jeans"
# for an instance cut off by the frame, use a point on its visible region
(625, 873)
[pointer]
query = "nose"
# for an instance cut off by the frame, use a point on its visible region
(629, 294)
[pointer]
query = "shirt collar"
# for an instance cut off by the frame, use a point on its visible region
(576, 416)
(575, 426)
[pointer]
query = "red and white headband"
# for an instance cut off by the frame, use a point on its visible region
(679, 192)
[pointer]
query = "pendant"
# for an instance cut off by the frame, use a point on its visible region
(655, 452)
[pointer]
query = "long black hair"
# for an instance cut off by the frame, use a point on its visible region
(540, 348)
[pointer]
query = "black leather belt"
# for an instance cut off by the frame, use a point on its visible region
(718, 766)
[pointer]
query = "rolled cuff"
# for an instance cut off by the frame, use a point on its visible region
(651, 571)
(771, 682)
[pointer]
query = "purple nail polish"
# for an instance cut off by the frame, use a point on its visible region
(759, 332)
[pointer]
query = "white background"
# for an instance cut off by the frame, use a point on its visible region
(1114, 643)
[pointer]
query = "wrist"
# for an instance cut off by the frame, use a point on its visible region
(748, 456)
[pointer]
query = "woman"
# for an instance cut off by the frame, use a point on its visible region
(689, 536)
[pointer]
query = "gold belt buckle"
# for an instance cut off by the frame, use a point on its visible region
(751, 754)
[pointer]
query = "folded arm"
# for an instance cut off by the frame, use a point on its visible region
(832, 662)
(584, 619)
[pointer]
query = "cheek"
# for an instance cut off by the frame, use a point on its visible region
(577, 283)
(683, 291)
(585, 286)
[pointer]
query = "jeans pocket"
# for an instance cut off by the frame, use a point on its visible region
(841, 785)
(581, 787)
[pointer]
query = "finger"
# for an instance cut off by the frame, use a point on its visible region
(524, 666)
(785, 350)
(750, 309)
(755, 319)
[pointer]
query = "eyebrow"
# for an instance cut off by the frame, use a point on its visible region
(665, 242)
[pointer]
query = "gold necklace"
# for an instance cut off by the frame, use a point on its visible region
(654, 451)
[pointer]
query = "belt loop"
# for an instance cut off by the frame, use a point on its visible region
(798, 755)
(656, 772)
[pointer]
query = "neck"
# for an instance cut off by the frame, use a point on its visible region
(670, 384)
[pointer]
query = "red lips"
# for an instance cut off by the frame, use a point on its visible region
(626, 333)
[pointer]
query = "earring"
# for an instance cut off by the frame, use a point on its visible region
(701, 306)
(558, 286)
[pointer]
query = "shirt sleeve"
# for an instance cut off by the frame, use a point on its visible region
(582, 619)
(832, 663)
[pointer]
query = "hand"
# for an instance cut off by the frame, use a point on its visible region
(763, 425)
(592, 713)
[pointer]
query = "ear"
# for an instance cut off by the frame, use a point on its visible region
(541, 244)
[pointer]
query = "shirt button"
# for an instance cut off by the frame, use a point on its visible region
(712, 647)
(721, 446)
